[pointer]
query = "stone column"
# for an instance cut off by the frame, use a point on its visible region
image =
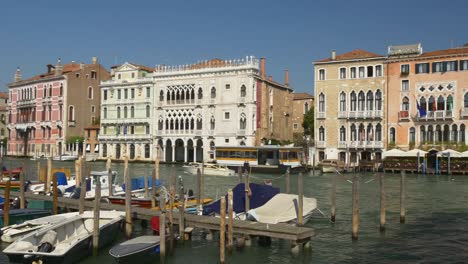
(185, 153)
(173, 152)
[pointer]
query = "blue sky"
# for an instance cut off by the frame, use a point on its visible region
(289, 34)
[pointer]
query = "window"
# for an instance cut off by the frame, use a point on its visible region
(405, 69)
(378, 100)
(422, 68)
(370, 71)
(105, 95)
(213, 92)
(370, 101)
(147, 129)
(342, 102)
(463, 65)
(125, 93)
(451, 66)
(465, 99)
(353, 72)
(361, 72)
(242, 123)
(306, 107)
(322, 74)
(119, 76)
(104, 112)
(405, 85)
(77, 75)
(132, 93)
(125, 112)
(342, 133)
(133, 75)
(226, 140)
(93, 109)
(321, 102)
(118, 112)
(378, 132)
(378, 71)
(71, 113)
(227, 115)
(228, 86)
(90, 92)
(361, 101)
(93, 75)
(147, 151)
(147, 111)
(119, 94)
(295, 126)
(132, 111)
(321, 134)
(342, 73)
(392, 135)
(405, 104)
(441, 103)
(353, 101)
(148, 93)
(243, 91)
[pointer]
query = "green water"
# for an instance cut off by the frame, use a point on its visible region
(436, 228)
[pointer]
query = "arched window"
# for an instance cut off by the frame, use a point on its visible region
(212, 123)
(370, 101)
(213, 92)
(438, 133)
(342, 133)
(405, 104)
(378, 100)
(321, 134)
(353, 133)
(199, 123)
(104, 150)
(342, 102)
(462, 133)
(161, 96)
(132, 111)
(71, 113)
(117, 151)
(378, 132)
(132, 151)
(412, 135)
(90, 92)
(432, 104)
(147, 111)
(243, 122)
(422, 134)
(392, 135)
(441, 103)
(430, 134)
(449, 103)
(454, 133)
(321, 102)
(353, 101)
(361, 101)
(125, 112)
(423, 103)
(118, 111)
(243, 91)
(465, 103)
(147, 151)
(361, 133)
(370, 132)
(446, 133)
(200, 93)
(104, 112)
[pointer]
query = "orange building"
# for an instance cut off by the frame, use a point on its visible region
(427, 97)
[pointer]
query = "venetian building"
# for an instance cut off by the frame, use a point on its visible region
(217, 103)
(302, 103)
(3, 121)
(429, 91)
(127, 113)
(47, 110)
(349, 107)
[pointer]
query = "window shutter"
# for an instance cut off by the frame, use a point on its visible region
(433, 67)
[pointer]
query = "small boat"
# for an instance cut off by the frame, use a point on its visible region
(65, 157)
(331, 165)
(13, 232)
(211, 169)
(17, 216)
(282, 209)
(67, 241)
(135, 249)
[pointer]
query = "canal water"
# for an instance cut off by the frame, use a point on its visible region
(436, 228)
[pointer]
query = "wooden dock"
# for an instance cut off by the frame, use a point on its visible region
(280, 231)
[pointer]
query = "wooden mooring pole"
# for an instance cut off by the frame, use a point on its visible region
(333, 199)
(128, 200)
(230, 221)
(222, 231)
(288, 190)
(382, 203)
(55, 194)
(155, 177)
(162, 227)
(82, 177)
(171, 218)
(300, 187)
(247, 192)
(110, 181)
(97, 210)
(22, 199)
(199, 176)
(181, 210)
(355, 221)
(402, 197)
(49, 175)
(239, 173)
(6, 205)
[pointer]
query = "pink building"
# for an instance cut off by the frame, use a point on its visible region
(47, 112)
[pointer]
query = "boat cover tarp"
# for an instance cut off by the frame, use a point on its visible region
(61, 178)
(281, 209)
(260, 194)
(135, 245)
(139, 183)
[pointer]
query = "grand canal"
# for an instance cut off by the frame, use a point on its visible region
(436, 228)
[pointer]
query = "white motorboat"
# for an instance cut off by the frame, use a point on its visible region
(13, 232)
(65, 157)
(282, 209)
(209, 169)
(331, 165)
(66, 241)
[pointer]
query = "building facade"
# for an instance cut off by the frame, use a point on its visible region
(301, 104)
(3, 122)
(47, 110)
(349, 107)
(127, 113)
(429, 91)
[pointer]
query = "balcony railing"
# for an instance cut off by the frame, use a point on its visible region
(126, 136)
(241, 132)
(71, 123)
(464, 112)
(321, 115)
(198, 132)
(321, 144)
(364, 144)
(403, 115)
(437, 115)
(342, 114)
(365, 114)
(342, 144)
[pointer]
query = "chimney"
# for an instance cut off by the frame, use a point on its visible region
(94, 60)
(82, 66)
(262, 67)
(58, 67)
(286, 77)
(333, 57)
(18, 74)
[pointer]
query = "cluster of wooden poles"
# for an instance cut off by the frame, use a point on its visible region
(355, 202)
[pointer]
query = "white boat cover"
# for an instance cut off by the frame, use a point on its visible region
(280, 209)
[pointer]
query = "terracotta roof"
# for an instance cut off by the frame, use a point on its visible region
(302, 96)
(454, 51)
(69, 67)
(3, 95)
(353, 55)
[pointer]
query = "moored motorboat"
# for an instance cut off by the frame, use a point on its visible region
(16, 216)
(211, 169)
(331, 165)
(136, 248)
(66, 241)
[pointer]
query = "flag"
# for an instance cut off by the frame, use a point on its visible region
(422, 112)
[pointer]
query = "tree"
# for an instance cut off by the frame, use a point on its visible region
(308, 123)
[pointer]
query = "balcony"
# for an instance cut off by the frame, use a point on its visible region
(321, 144)
(365, 114)
(321, 115)
(464, 112)
(437, 115)
(342, 144)
(198, 132)
(342, 114)
(241, 132)
(71, 123)
(403, 115)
